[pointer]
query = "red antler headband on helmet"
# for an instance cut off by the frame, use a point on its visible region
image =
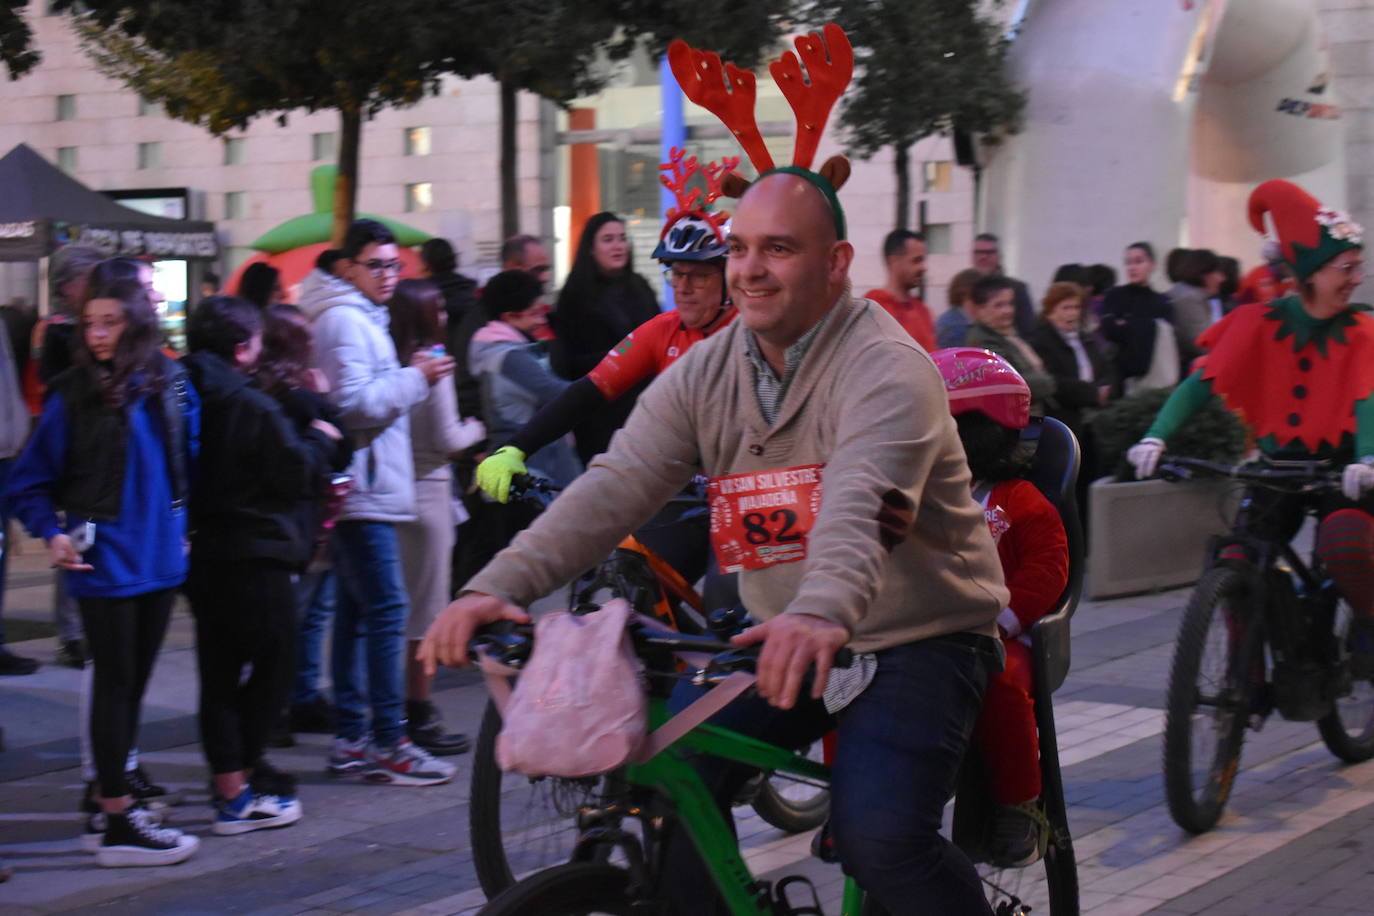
(1309, 233)
(981, 380)
(690, 231)
(729, 93)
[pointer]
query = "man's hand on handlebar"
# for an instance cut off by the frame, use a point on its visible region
(446, 641)
(792, 643)
(496, 470)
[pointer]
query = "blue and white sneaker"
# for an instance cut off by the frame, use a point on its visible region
(347, 757)
(254, 812)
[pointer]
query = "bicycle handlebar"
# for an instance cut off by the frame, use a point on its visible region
(511, 643)
(1316, 476)
(528, 484)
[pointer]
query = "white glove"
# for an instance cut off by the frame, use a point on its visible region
(470, 432)
(1144, 456)
(1358, 479)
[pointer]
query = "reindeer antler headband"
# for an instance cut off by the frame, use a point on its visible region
(676, 172)
(729, 93)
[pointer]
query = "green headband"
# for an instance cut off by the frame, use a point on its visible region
(820, 183)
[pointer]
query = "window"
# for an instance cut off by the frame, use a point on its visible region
(150, 155)
(937, 176)
(235, 150)
(236, 205)
(66, 108)
(419, 197)
(938, 237)
(66, 159)
(417, 141)
(147, 109)
(324, 147)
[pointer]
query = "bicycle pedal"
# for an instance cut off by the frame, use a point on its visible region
(782, 898)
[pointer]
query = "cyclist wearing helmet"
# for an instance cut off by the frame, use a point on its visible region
(991, 406)
(1300, 372)
(692, 251)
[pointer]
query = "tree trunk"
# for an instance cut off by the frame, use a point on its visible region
(901, 163)
(510, 200)
(346, 188)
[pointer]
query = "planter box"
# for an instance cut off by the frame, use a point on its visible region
(1151, 534)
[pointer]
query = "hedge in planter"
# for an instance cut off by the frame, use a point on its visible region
(1146, 535)
(1213, 433)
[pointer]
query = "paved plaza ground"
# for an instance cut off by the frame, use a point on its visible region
(1293, 840)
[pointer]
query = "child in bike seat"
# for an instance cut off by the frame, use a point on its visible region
(991, 405)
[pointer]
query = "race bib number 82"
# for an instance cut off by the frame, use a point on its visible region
(763, 518)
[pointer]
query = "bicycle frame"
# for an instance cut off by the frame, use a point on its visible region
(671, 775)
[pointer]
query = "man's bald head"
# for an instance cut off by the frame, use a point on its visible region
(787, 267)
(803, 201)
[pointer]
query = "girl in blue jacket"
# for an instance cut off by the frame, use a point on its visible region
(111, 454)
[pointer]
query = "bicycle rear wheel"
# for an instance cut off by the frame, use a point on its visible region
(519, 825)
(576, 889)
(1217, 665)
(1348, 730)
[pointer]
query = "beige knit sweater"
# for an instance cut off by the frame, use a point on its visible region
(866, 402)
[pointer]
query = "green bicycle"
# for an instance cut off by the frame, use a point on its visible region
(616, 863)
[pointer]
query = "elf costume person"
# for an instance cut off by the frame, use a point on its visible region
(1299, 371)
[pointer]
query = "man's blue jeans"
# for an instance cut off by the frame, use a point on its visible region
(369, 632)
(315, 600)
(898, 752)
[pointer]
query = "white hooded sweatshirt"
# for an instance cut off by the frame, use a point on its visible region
(372, 391)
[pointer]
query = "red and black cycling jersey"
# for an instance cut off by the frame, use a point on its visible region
(648, 350)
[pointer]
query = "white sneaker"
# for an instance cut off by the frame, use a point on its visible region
(347, 757)
(407, 764)
(133, 838)
(254, 812)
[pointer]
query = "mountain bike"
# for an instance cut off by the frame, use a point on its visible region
(520, 825)
(616, 866)
(1263, 632)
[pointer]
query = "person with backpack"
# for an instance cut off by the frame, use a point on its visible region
(112, 451)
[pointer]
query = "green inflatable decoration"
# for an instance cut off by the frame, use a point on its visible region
(316, 227)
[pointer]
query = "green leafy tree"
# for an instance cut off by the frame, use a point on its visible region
(16, 50)
(923, 67)
(222, 63)
(559, 49)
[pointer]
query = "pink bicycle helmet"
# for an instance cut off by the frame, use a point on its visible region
(981, 380)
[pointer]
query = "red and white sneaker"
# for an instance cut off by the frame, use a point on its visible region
(347, 757)
(406, 764)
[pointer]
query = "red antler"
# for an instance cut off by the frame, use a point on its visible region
(825, 82)
(725, 91)
(677, 171)
(715, 174)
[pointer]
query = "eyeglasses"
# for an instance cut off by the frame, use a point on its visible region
(985, 251)
(682, 280)
(539, 269)
(1350, 268)
(380, 268)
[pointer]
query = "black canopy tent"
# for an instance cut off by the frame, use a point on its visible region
(43, 208)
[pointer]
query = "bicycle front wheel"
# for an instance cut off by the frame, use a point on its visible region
(792, 803)
(576, 889)
(520, 825)
(1218, 663)
(1348, 730)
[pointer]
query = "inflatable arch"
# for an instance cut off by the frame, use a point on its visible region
(1152, 120)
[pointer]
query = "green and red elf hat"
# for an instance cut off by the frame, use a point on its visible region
(729, 93)
(1309, 234)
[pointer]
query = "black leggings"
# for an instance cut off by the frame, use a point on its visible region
(123, 636)
(245, 616)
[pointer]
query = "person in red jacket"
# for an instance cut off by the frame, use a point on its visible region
(991, 405)
(904, 252)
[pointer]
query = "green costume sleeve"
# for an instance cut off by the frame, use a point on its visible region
(1188, 398)
(1364, 428)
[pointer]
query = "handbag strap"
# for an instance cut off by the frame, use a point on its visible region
(701, 709)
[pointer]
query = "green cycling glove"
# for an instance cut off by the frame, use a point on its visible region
(496, 470)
